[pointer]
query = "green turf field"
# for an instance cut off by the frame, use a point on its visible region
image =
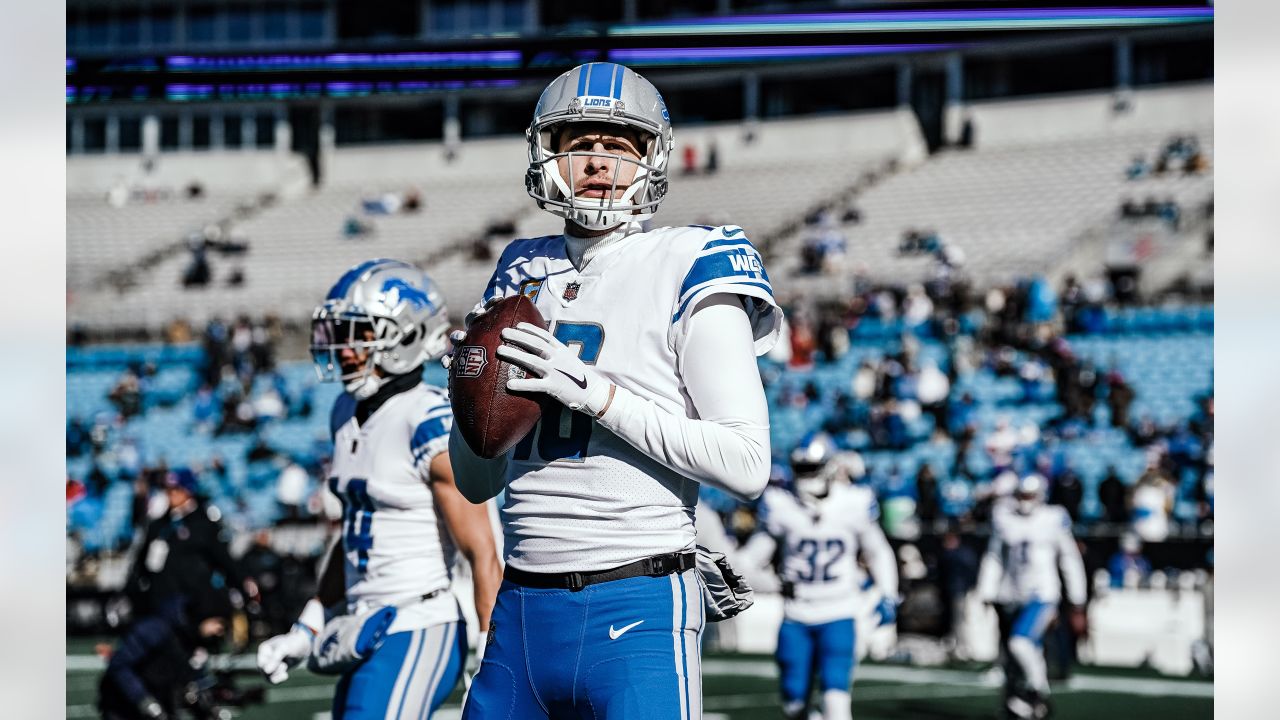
(745, 688)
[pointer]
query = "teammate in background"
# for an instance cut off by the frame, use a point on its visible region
(379, 324)
(1019, 574)
(821, 523)
(649, 365)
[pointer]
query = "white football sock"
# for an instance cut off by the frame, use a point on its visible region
(1031, 660)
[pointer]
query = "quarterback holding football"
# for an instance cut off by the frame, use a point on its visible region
(646, 373)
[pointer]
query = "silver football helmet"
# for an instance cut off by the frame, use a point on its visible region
(387, 308)
(1031, 493)
(814, 467)
(599, 92)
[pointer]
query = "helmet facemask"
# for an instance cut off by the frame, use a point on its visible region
(378, 338)
(555, 194)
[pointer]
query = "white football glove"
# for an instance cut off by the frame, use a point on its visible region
(559, 371)
(280, 654)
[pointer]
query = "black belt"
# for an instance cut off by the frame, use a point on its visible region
(656, 566)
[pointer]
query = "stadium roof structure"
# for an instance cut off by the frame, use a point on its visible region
(508, 59)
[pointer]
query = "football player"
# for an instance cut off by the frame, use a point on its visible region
(1030, 541)
(821, 523)
(379, 323)
(649, 365)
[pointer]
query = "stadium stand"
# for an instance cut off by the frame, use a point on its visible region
(1041, 173)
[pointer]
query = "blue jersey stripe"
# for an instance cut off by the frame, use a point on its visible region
(729, 285)
(684, 653)
(728, 263)
(740, 242)
(430, 429)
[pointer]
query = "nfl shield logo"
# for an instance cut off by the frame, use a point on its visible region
(471, 360)
(571, 291)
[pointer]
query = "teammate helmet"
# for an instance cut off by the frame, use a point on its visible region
(1031, 492)
(609, 93)
(388, 308)
(811, 462)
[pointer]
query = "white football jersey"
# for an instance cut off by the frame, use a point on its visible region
(1026, 550)
(578, 497)
(819, 545)
(395, 545)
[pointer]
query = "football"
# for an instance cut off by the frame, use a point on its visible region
(490, 418)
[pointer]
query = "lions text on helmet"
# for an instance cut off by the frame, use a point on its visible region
(599, 145)
(382, 318)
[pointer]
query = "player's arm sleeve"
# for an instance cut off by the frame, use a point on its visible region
(1072, 564)
(991, 570)
(477, 478)
(876, 550)
(431, 436)
(728, 444)
(728, 264)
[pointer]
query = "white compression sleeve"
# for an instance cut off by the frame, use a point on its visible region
(728, 445)
(477, 479)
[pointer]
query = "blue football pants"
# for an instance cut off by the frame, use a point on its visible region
(803, 649)
(406, 678)
(621, 650)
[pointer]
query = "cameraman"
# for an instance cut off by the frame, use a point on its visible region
(151, 672)
(182, 550)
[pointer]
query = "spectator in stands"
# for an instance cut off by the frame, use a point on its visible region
(713, 158)
(353, 227)
(126, 396)
(292, 487)
(927, 493)
(412, 201)
(1127, 567)
(77, 438)
(1001, 443)
(1113, 496)
(1138, 168)
(198, 273)
(1120, 397)
(803, 344)
(690, 160)
(932, 390)
(1152, 503)
(1067, 491)
(1145, 433)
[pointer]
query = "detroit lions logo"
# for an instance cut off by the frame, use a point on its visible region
(398, 291)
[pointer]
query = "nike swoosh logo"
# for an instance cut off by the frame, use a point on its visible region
(615, 634)
(580, 383)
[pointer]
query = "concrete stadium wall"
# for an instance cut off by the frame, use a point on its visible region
(1005, 123)
(237, 171)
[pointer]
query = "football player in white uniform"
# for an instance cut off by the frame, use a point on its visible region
(1030, 541)
(403, 515)
(649, 365)
(821, 524)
